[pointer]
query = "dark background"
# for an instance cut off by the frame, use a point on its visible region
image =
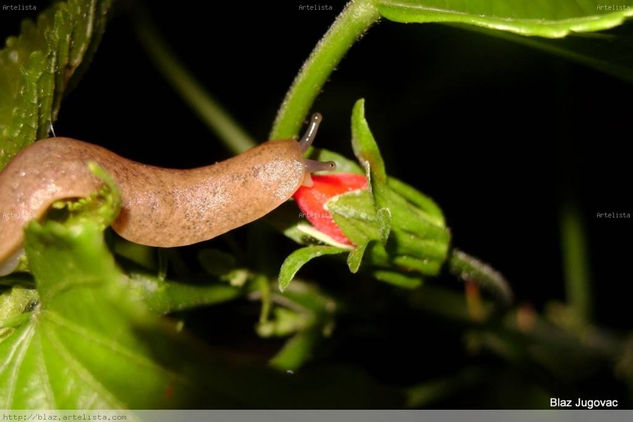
(497, 133)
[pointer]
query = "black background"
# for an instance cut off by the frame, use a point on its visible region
(495, 132)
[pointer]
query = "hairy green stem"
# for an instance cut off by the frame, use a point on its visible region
(353, 21)
(467, 267)
(211, 113)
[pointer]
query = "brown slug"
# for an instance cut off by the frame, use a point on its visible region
(160, 207)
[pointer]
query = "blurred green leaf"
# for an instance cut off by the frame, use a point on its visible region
(398, 279)
(165, 296)
(36, 68)
(284, 322)
(297, 350)
(610, 51)
(216, 262)
(553, 19)
(13, 302)
(306, 312)
(141, 255)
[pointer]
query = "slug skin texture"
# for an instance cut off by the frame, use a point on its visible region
(160, 207)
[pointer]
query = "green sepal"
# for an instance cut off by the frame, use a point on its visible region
(299, 258)
(418, 239)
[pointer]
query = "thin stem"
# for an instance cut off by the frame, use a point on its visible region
(353, 21)
(211, 113)
(471, 269)
(575, 261)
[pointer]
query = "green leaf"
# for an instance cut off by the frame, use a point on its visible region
(610, 51)
(283, 323)
(432, 211)
(398, 279)
(140, 255)
(80, 348)
(299, 258)
(101, 207)
(296, 351)
(36, 68)
(85, 344)
(15, 305)
(309, 297)
(309, 313)
(553, 19)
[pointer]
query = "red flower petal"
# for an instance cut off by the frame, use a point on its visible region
(311, 200)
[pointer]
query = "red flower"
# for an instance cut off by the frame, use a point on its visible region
(311, 200)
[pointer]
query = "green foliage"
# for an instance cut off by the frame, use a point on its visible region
(92, 338)
(85, 343)
(610, 51)
(402, 229)
(525, 17)
(419, 239)
(88, 332)
(36, 68)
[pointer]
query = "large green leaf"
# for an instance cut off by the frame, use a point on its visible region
(544, 18)
(610, 51)
(86, 342)
(36, 67)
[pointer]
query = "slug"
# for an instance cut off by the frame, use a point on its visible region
(160, 207)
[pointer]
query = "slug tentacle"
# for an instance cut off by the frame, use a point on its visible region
(308, 137)
(313, 166)
(160, 207)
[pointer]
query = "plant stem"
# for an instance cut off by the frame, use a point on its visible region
(469, 268)
(351, 23)
(211, 113)
(575, 261)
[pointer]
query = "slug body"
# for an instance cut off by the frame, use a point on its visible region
(160, 207)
